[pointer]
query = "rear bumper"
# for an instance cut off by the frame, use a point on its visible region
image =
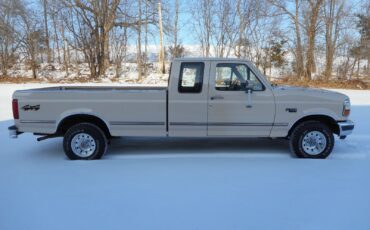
(13, 132)
(345, 128)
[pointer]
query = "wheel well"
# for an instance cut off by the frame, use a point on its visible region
(69, 121)
(329, 121)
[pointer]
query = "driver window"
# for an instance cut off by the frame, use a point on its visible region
(232, 77)
(225, 78)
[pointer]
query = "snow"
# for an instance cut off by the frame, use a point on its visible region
(177, 183)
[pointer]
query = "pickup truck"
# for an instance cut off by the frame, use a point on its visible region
(205, 97)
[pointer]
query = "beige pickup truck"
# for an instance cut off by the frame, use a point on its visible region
(205, 97)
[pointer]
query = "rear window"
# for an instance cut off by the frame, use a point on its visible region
(191, 77)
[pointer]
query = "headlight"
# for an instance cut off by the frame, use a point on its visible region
(346, 108)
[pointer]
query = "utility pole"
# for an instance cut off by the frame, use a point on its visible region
(161, 52)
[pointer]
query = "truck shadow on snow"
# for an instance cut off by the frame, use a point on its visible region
(188, 146)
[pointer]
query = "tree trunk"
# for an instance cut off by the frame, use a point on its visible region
(65, 51)
(45, 3)
(101, 38)
(299, 49)
(358, 68)
(4, 70)
(56, 37)
(106, 57)
(34, 68)
(329, 63)
(139, 57)
(161, 55)
(299, 55)
(311, 36)
(146, 38)
(118, 68)
(93, 72)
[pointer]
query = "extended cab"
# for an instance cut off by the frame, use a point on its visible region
(205, 97)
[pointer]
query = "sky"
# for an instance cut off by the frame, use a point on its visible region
(187, 34)
(186, 29)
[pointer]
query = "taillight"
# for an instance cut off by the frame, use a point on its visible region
(15, 109)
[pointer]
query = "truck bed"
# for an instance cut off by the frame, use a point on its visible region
(127, 111)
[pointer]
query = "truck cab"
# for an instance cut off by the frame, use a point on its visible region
(219, 97)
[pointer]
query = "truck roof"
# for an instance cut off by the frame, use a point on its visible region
(197, 59)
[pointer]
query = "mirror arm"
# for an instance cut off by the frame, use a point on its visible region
(249, 102)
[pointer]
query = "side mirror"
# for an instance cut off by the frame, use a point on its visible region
(249, 85)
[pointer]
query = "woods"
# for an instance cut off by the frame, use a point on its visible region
(299, 39)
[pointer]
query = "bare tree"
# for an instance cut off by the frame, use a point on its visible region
(246, 13)
(295, 19)
(203, 22)
(172, 27)
(56, 25)
(225, 28)
(139, 52)
(333, 16)
(312, 21)
(46, 28)
(10, 37)
(175, 29)
(65, 46)
(119, 39)
(33, 39)
(95, 19)
(161, 47)
(82, 39)
(363, 26)
(100, 18)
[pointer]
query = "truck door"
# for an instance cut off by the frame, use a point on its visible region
(230, 112)
(187, 98)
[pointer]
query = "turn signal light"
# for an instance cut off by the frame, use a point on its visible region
(346, 112)
(346, 108)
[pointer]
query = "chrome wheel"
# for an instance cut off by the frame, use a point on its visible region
(83, 145)
(314, 143)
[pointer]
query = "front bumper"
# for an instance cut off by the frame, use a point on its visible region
(13, 131)
(345, 128)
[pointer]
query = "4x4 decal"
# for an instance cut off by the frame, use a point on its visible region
(31, 107)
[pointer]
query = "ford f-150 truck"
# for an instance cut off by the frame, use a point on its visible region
(205, 97)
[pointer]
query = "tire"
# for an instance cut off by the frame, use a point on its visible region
(312, 139)
(85, 141)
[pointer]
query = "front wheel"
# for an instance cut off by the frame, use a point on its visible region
(85, 141)
(312, 139)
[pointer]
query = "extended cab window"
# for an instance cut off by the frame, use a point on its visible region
(233, 77)
(191, 77)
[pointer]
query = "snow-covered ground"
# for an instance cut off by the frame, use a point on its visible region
(55, 72)
(184, 183)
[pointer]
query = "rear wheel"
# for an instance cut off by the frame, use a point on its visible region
(85, 141)
(312, 139)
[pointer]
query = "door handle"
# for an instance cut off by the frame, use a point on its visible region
(217, 97)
